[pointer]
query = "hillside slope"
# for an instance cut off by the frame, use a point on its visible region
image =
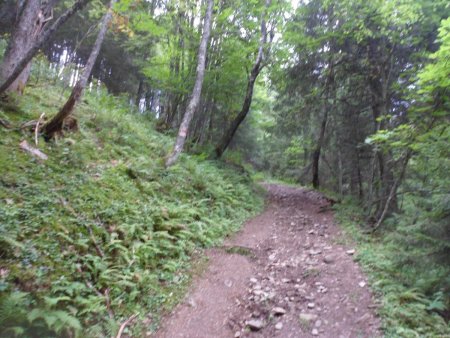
(101, 230)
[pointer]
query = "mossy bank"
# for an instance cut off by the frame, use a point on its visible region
(100, 230)
(410, 283)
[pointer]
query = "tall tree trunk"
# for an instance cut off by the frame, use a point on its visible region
(318, 149)
(31, 18)
(379, 81)
(20, 64)
(196, 92)
(139, 94)
(55, 125)
(256, 69)
(21, 39)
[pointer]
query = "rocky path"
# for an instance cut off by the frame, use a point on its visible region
(284, 275)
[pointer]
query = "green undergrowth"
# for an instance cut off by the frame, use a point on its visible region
(412, 284)
(101, 230)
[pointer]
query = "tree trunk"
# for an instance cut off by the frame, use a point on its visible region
(29, 24)
(55, 125)
(256, 69)
(316, 153)
(23, 59)
(379, 82)
(196, 92)
(393, 192)
(139, 94)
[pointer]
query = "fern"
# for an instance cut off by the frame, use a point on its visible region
(13, 308)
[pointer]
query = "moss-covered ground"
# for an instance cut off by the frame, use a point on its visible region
(101, 230)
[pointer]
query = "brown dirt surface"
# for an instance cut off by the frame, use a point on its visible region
(285, 274)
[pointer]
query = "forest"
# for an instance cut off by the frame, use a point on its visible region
(134, 134)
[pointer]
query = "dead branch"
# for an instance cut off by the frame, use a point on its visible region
(33, 151)
(125, 323)
(6, 124)
(36, 130)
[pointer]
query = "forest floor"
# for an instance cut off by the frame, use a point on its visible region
(287, 273)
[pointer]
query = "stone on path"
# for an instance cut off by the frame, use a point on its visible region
(255, 324)
(278, 311)
(328, 259)
(308, 317)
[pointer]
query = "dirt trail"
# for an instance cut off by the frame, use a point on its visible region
(283, 275)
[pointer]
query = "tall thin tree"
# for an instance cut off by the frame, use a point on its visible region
(256, 69)
(196, 92)
(55, 125)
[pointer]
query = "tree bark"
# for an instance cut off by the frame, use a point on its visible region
(256, 69)
(30, 21)
(196, 92)
(379, 82)
(55, 125)
(393, 192)
(317, 151)
(20, 64)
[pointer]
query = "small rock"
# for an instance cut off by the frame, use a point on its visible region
(328, 259)
(255, 324)
(271, 295)
(318, 323)
(315, 332)
(192, 303)
(228, 283)
(278, 311)
(350, 252)
(285, 280)
(253, 280)
(362, 284)
(311, 305)
(278, 326)
(308, 317)
(237, 334)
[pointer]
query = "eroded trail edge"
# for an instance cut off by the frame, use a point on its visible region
(285, 274)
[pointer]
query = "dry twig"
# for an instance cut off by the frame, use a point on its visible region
(36, 129)
(125, 323)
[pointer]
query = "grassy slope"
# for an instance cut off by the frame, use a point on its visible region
(101, 221)
(405, 309)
